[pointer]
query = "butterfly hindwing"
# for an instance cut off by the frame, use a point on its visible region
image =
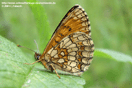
(73, 53)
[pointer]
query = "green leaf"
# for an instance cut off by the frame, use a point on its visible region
(113, 54)
(12, 70)
(14, 73)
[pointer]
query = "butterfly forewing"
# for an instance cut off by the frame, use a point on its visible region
(75, 20)
(71, 47)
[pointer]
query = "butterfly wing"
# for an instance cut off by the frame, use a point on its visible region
(75, 20)
(71, 47)
(73, 53)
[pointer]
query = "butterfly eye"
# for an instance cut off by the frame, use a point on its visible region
(37, 56)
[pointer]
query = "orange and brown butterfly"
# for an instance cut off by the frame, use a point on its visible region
(70, 48)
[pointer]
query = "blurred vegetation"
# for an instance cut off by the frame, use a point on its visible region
(111, 29)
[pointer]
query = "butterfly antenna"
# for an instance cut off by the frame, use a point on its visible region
(37, 46)
(26, 48)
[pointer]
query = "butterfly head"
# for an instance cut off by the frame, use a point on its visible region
(37, 55)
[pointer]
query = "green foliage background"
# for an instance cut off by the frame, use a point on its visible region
(111, 29)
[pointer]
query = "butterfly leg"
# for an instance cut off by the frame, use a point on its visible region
(33, 62)
(55, 70)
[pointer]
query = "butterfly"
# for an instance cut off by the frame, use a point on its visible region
(70, 48)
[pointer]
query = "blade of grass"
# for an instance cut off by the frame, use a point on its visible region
(41, 23)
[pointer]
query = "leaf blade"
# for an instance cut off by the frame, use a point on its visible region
(115, 55)
(17, 74)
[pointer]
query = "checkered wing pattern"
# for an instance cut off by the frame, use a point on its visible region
(71, 47)
(73, 53)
